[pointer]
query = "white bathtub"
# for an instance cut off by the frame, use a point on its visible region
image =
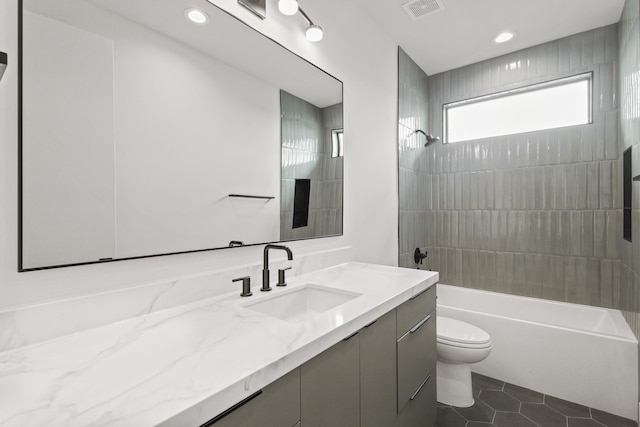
(584, 354)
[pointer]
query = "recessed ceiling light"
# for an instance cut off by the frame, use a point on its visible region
(196, 16)
(504, 36)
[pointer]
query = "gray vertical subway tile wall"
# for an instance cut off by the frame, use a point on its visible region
(306, 154)
(534, 214)
(625, 283)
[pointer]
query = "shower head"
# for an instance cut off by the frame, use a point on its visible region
(430, 138)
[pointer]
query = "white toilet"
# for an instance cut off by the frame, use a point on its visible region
(459, 345)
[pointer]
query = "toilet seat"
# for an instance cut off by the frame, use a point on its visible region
(461, 334)
(467, 345)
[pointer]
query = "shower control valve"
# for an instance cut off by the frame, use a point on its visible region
(418, 256)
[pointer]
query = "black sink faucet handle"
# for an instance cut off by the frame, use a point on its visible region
(281, 278)
(246, 285)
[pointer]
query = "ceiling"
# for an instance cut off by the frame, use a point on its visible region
(461, 32)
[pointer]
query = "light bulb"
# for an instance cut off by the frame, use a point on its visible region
(504, 37)
(196, 16)
(314, 33)
(288, 7)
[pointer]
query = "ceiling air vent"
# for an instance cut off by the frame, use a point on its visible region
(420, 8)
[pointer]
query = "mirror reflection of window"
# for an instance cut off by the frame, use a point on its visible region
(337, 143)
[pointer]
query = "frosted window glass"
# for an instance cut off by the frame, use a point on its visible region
(561, 103)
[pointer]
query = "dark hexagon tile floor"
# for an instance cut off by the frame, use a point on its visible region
(500, 404)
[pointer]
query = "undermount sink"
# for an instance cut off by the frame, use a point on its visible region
(301, 303)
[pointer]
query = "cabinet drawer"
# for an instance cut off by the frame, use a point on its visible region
(423, 409)
(412, 311)
(416, 357)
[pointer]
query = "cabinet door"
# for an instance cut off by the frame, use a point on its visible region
(378, 372)
(278, 405)
(330, 387)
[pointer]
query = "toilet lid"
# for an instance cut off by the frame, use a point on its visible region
(457, 332)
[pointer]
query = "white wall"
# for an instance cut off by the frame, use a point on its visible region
(353, 50)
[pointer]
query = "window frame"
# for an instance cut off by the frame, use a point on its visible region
(588, 76)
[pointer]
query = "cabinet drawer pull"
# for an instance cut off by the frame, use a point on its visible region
(369, 324)
(420, 293)
(351, 336)
(230, 410)
(415, 393)
(420, 323)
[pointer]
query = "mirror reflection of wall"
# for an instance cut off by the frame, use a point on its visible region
(134, 140)
(308, 133)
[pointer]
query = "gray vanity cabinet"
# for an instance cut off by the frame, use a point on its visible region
(378, 372)
(416, 360)
(398, 366)
(276, 405)
(382, 376)
(330, 386)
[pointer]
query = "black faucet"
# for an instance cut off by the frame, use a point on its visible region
(265, 266)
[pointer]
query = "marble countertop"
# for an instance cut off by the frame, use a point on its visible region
(183, 366)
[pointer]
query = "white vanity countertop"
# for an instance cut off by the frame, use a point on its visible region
(183, 366)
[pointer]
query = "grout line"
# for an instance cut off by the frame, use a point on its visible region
(596, 421)
(524, 416)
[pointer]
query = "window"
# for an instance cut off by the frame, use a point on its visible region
(337, 144)
(554, 104)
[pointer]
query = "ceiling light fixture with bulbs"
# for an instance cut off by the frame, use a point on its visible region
(313, 32)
